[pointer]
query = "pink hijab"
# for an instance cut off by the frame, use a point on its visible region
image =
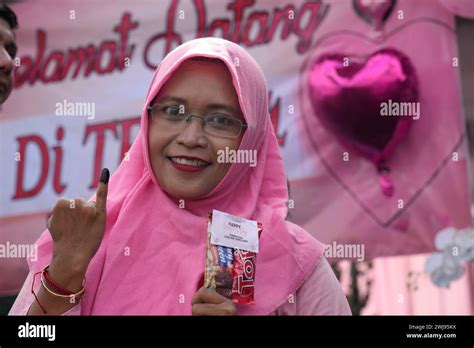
(151, 259)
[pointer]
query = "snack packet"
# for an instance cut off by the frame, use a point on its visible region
(230, 271)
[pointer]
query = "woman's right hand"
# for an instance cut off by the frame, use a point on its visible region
(77, 228)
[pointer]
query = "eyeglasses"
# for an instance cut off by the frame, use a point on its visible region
(217, 123)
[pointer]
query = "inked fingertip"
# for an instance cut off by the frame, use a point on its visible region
(104, 176)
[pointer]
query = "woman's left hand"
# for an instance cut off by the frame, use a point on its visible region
(208, 302)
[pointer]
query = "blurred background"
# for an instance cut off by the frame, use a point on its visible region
(372, 102)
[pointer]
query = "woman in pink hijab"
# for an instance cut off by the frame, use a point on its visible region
(139, 246)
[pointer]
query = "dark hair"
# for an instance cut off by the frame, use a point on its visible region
(9, 16)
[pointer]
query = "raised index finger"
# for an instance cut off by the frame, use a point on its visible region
(102, 188)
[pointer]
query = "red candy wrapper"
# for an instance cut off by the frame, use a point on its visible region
(230, 271)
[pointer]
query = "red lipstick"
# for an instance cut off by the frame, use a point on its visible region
(188, 167)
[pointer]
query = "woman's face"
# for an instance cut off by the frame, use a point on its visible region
(200, 87)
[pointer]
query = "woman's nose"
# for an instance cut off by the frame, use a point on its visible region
(192, 134)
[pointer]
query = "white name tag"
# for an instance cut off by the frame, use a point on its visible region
(234, 232)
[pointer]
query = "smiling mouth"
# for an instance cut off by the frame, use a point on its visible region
(191, 162)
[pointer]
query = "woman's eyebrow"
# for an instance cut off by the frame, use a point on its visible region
(171, 98)
(222, 107)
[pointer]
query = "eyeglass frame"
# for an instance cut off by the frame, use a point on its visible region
(189, 116)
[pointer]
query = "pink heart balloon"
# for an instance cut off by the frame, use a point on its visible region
(348, 99)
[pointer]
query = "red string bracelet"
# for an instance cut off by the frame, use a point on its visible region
(53, 284)
(33, 292)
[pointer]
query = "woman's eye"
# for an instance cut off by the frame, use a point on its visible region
(173, 110)
(221, 120)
